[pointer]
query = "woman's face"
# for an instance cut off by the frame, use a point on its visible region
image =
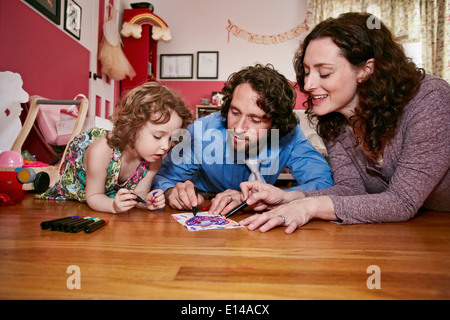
(330, 79)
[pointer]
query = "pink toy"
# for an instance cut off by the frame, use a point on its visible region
(11, 159)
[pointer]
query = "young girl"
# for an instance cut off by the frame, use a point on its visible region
(98, 162)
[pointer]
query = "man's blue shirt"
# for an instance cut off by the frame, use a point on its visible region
(213, 166)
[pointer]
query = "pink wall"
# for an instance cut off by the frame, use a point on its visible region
(52, 64)
(193, 91)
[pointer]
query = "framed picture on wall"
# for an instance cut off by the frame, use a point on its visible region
(72, 18)
(49, 8)
(208, 64)
(176, 66)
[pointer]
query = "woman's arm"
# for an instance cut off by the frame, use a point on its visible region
(422, 150)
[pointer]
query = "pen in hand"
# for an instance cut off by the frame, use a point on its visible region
(138, 199)
(195, 209)
(240, 207)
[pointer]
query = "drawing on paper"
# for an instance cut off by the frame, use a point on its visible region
(204, 221)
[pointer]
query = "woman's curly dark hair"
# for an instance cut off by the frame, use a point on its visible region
(276, 95)
(383, 95)
(148, 102)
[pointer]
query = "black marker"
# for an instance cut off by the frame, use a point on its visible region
(138, 199)
(96, 225)
(46, 224)
(195, 209)
(240, 207)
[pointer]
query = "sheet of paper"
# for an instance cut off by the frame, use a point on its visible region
(204, 221)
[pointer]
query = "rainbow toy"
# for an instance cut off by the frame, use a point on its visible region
(133, 27)
(148, 18)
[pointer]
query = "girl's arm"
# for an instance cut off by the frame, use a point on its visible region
(155, 198)
(96, 163)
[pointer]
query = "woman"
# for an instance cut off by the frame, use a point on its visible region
(385, 125)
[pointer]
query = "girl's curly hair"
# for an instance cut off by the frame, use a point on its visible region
(276, 95)
(383, 96)
(148, 102)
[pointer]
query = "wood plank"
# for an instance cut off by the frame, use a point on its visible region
(148, 255)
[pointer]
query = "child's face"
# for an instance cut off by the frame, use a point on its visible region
(153, 140)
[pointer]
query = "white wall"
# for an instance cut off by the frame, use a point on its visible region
(199, 25)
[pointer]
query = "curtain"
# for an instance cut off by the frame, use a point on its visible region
(424, 21)
(435, 37)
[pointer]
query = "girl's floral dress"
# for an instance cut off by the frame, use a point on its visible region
(72, 183)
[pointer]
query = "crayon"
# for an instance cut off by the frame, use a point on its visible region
(46, 224)
(96, 225)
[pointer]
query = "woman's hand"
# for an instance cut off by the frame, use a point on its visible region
(292, 215)
(263, 196)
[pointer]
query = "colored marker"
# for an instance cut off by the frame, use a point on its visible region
(96, 225)
(66, 226)
(60, 225)
(195, 209)
(80, 226)
(138, 199)
(46, 224)
(240, 207)
(54, 225)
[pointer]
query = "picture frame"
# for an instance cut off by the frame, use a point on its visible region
(207, 64)
(50, 9)
(72, 18)
(176, 66)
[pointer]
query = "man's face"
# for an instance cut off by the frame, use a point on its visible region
(246, 122)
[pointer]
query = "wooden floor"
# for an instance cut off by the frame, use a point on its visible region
(148, 255)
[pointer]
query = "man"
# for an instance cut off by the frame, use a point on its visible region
(256, 123)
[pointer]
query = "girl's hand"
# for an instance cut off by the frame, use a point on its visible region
(155, 200)
(124, 201)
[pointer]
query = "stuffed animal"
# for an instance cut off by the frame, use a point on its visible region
(11, 96)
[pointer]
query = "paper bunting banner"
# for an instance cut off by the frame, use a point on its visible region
(264, 39)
